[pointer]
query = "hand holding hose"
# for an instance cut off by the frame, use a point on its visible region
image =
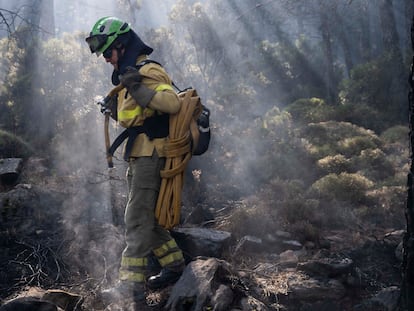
(109, 105)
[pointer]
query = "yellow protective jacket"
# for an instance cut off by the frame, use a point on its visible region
(131, 114)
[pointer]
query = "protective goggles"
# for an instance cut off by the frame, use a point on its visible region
(96, 42)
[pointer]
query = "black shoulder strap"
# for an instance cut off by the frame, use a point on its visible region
(147, 61)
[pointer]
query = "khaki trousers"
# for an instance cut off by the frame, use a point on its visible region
(144, 235)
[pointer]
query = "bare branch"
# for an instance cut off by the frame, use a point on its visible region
(10, 20)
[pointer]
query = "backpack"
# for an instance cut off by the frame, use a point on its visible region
(158, 126)
(189, 134)
(200, 125)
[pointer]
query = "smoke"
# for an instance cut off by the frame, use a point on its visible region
(240, 57)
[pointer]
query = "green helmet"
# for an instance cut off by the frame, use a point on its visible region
(105, 31)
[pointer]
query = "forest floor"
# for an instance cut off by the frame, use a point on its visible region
(43, 250)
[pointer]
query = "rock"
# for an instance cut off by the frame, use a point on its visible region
(66, 301)
(288, 259)
(321, 306)
(387, 299)
(10, 171)
(314, 290)
(222, 298)
(252, 304)
(27, 209)
(292, 244)
(327, 267)
(283, 234)
(28, 304)
(201, 241)
(38, 299)
(204, 283)
(399, 252)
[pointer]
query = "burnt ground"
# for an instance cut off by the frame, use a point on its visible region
(43, 246)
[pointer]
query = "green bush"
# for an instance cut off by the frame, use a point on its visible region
(278, 124)
(388, 204)
(355, 145)
(244, 220)
(307, 110)
(299, 209)
(334, 164)
(332, 138)
(359, 114)
(396, 134)
(370, 84)
(12, 146)
(348, 187)
(374, 164)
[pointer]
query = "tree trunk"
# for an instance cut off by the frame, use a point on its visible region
(344, 42)
(364, 39)
(327, 45)
(408, 10)
(397, 87)
(407, 287)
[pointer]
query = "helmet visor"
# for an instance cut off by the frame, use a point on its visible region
(96, 42)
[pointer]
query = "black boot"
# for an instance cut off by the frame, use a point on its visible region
(164, 278)
(124, 290)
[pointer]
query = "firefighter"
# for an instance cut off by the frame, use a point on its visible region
(142, 107)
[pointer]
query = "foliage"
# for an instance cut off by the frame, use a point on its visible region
(335, 164)
(12, 146)
(331, 138)
(360, 114)
(396, 134)
(389, 201)
(262, 70)
(282, 153)
(348, 187)
(374, 164)
(310, 110)
(369, 86)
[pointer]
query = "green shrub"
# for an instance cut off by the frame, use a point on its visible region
(359, 114)
(278, 124)
(396, 134)
(355, 145)
(12, 146)
(307, 110)
(332, 138)
(369, 84)
(335, 164)
(387, 207)
(374, 164)
(349, 187)
(299, 209)
(244, 220)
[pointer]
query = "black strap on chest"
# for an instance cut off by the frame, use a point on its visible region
(154, 127)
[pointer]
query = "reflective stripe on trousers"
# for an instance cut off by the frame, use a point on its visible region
(169, 255)
(133, 269)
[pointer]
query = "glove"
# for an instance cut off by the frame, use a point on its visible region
(109, 105)
(132, 80)
(203, 120)
(130, 77)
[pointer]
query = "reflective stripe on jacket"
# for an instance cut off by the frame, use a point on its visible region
(164, 101)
